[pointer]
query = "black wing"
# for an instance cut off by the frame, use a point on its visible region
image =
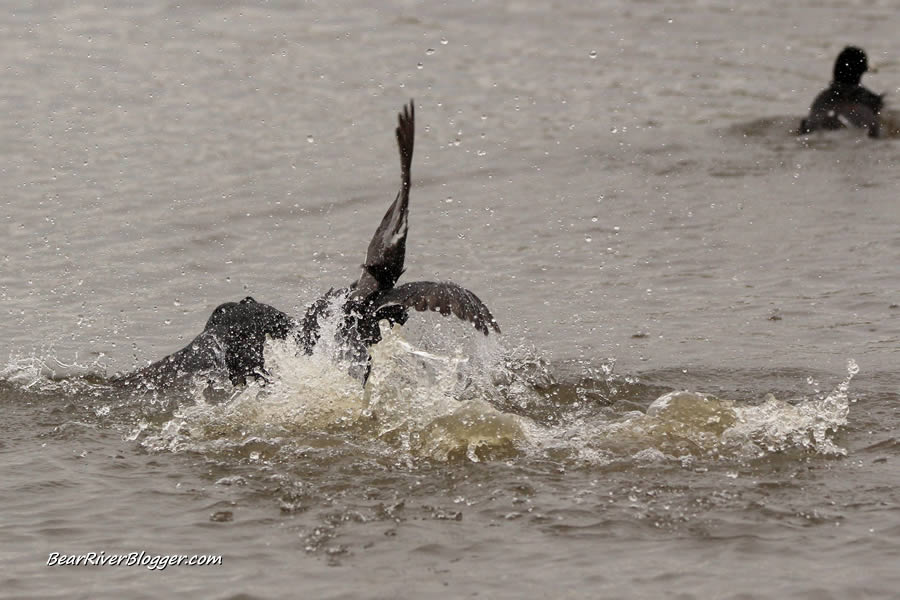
(443, 297)
(387, 250)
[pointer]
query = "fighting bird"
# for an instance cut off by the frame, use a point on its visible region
(234, 337)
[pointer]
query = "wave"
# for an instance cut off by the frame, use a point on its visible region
(447, 401)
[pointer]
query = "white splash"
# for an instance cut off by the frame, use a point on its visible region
(776, 425)
(683, 426)
(414, 400)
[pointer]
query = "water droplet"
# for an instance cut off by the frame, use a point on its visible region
(593, 54)
(444, 41)
(430, 51)
(449, 200)
(420, 66)
(310, 139)
(594, 219)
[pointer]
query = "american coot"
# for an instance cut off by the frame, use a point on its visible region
(846, 102)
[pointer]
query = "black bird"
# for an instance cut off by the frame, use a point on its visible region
(846, 101)
(232, 342)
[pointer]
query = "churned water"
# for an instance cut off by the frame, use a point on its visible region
(696, 391)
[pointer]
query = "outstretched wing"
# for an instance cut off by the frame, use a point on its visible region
(443, 297)
(387, 250)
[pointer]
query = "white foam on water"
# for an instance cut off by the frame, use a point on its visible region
(452, 403)
(810, 424)
(686, 425)
(414, 399)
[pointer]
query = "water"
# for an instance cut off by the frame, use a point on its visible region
(695, 394)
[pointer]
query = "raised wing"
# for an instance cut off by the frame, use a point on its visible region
(387, 250)
(443, 297)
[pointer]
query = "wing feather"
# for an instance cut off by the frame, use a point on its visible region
(387, 249)
(443, 297)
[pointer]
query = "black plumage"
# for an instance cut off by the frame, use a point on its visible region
(846, 101)
(233, 340)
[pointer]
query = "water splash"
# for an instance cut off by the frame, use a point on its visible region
(775, 425)
(450, 401)
(42, 371)
(415, 401)
(435, 406)
(684, 425)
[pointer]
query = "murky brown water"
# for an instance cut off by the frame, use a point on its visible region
(617, 182)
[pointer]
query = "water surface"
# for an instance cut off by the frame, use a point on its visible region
(696, 390)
